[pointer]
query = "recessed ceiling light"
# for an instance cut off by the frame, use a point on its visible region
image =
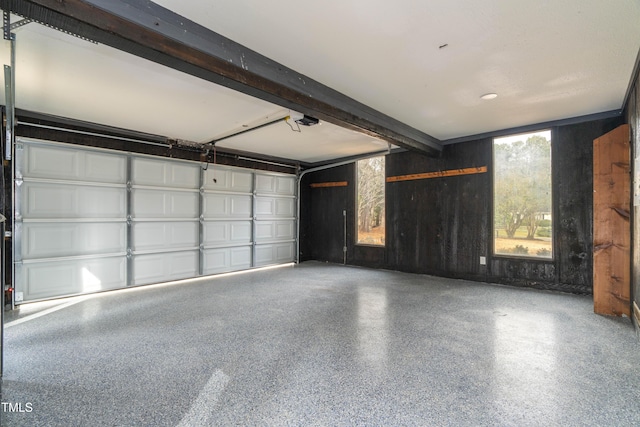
(489, 96)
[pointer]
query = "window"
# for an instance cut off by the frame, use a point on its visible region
(522, 220)
(370, 201)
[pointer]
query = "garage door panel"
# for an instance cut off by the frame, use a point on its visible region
(148, 203)
(240, 206)
(73, 165)
(184, 176)
(51, 162)
(155, 268)
(226, 206)
(164, 204)
(105, 168)
(268, 207)
(264, 230)
(164, 235)
(47, 240)
(161, 173)
(47, 279)
(274, 230)
(241, 258)
(220, 232)
(147, 172)
(228, 180)
(46, 200)
(223, 260)
(183, 265)
(277, 253)
(58, 278)
(148, 269)
(285, 252)
(183, 205)
(240, 231)
(285, 230)
(217, 261)
(276, 185)
(183, 234)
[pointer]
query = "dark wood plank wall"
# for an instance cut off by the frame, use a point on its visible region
(439, 225)
(442, 226)
(322, 231)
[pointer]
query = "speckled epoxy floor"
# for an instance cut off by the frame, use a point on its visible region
(324, 345)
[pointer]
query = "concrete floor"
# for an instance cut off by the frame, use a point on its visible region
(324, 345)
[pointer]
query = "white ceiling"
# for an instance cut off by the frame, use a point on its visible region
(546, 60)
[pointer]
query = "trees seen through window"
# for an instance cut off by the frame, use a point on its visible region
(370, 201)
(522, 195)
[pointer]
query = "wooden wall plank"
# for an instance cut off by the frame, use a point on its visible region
(329, 184)
(438, 174)
(611, 224)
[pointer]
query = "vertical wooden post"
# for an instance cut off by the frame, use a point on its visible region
(611, 223)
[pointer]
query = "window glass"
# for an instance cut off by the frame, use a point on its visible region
(522, 208)
(370, 201)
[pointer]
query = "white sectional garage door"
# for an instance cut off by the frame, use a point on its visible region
(88, 220)
(227, 220)
(274, 219)
(164, 211)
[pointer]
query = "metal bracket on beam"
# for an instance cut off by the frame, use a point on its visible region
(20, 23)
(6, 25)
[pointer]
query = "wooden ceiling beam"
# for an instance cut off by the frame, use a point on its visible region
(147, 30)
